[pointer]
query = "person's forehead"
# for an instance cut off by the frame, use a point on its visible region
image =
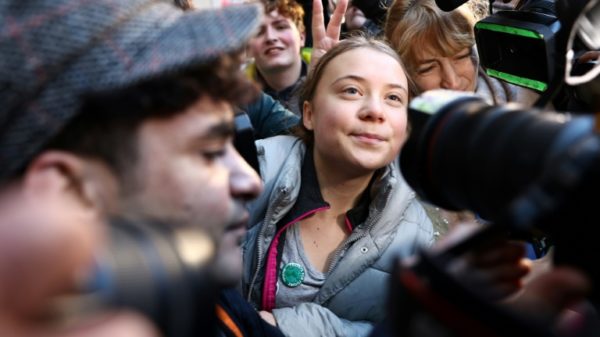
(274, 16)
(427, 53)
(358, 55)
(344, 64)
(427, 49)
(207, 112)
(204, 117)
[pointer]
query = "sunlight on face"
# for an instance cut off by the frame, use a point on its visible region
(358, 113)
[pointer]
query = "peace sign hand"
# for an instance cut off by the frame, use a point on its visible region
(325, 38)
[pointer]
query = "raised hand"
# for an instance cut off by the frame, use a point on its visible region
(497, 267)
(324, 38)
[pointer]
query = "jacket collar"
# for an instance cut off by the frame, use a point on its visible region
(310, 197)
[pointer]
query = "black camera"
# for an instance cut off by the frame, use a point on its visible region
(525, 170)
(526, 46)
(532, 171)
(160, 272)
(529, 172)
(519, 46)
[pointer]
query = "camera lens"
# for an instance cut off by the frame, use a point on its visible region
(470, 155)
(148, 267)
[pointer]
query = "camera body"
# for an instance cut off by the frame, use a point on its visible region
(519, 46)
(528, 171)
(525, 170)
(527, 45)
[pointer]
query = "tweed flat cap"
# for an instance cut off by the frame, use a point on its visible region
(52, 52)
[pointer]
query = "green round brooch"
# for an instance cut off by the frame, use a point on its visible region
(292, 274)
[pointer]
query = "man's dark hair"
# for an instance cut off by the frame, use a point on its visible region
(107, 126)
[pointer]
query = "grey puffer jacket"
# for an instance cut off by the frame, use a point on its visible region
(353, 296)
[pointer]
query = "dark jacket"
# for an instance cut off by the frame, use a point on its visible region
(237, 318)
(269, 117)
(289, 97)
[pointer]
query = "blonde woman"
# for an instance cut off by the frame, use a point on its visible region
(438, 49)
(336, 210)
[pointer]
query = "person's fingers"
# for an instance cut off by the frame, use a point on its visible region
(511, 272)
(506, 252)
(494, 282)
(560, 287)
(318, 22)
(501, 291)
(492, 286)
(504, 280)
(550, 293)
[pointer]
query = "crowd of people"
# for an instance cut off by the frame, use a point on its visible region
(124, 111)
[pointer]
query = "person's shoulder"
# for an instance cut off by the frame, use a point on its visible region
(278, 143)
(416, 213)
(273, 152)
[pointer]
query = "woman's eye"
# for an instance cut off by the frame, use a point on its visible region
(463, 56)
(424, 70)
(395, 97)
(213, 155)
(351, 91)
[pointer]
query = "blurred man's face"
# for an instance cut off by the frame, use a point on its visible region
(47, 238)
(229, 261)
(188, 173)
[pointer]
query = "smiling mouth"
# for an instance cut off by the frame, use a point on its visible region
(273, 50)
(368, 138)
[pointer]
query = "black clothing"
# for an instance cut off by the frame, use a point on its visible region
(240, 318)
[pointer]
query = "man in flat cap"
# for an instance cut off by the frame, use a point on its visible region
(112, 109)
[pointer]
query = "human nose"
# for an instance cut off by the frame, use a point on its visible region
(244, 182)
(372, 109)
(450, 78)
(270, 34)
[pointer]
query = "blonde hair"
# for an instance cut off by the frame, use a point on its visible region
(412, 25)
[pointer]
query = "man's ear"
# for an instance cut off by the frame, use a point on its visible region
(302, 39)
(307, 115)
(53, 172)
